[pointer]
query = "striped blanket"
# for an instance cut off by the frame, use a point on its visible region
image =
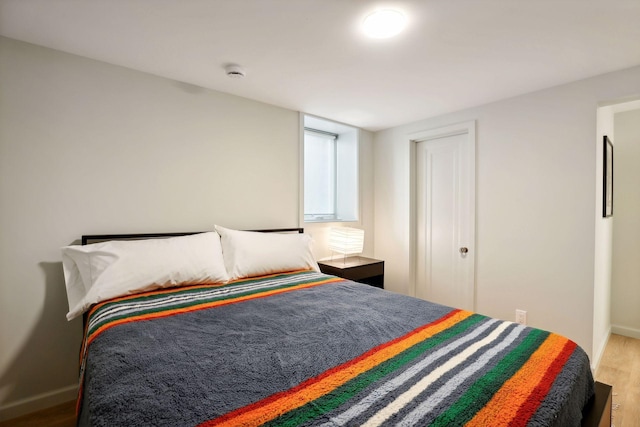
(309, 349)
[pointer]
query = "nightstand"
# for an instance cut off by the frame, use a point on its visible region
(356, 268)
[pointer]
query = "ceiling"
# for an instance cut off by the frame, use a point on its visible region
(311, 55)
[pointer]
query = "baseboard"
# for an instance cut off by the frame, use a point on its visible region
(597, 356)
(38, 402)
(624, 331)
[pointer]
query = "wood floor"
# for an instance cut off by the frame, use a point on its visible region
(59, 416)
(619, 367)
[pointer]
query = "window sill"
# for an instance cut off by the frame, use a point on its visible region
(331, 220)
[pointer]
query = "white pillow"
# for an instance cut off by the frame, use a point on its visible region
(102, 271)
(250, 254)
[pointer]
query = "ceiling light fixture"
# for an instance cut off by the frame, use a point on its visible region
(384, 23)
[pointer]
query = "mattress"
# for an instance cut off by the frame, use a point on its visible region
(308, 349)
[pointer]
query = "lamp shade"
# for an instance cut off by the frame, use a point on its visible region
(346, 240)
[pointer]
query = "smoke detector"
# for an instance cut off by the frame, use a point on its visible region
(235, 71)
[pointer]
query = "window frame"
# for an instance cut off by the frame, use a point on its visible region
(319, 216)
(345, 212)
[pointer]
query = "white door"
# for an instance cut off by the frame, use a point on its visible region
(445, 219)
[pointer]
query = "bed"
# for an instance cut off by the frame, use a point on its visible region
(300, 348)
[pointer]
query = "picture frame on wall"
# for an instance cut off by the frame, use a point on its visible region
(607, 178)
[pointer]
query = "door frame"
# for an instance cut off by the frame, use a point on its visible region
(464, 128)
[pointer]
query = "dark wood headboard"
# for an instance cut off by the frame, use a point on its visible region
(96, 238)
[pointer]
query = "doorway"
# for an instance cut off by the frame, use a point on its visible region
(445, 215)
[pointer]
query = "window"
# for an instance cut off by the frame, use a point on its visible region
(330, 171)
(319, 175)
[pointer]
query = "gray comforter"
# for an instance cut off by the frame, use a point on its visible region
(309, 349)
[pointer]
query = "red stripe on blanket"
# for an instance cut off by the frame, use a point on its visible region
(538, 394)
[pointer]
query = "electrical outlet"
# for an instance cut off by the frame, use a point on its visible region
(521, 317)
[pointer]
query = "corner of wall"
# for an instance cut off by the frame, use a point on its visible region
(603, 229)
(598, 350)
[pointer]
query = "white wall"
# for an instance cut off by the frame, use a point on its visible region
(625, 307)
(87, 147)
(603, 243)
(535, 178)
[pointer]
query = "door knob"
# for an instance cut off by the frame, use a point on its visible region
(464, 250)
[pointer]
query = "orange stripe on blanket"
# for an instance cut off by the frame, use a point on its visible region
(505, 404)
(212, 304)
(542, 389)
(270, 408)
(177, 289)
